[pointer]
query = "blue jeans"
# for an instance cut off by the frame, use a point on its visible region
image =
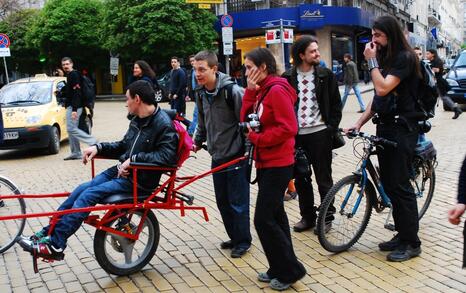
(232, 196)
(86, 195)
(193, 125)
(357, 92)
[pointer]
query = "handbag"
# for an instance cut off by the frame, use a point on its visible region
(301, 164)
(338, 140)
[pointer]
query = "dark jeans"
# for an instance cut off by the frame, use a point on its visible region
(179, 104)
(272, 225)
(232, 196)
(318, 148)
(395, 169)
(86, 195)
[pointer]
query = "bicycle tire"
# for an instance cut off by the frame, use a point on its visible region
(10, 230)
(109, 259)
(328, 239)
(426, 170)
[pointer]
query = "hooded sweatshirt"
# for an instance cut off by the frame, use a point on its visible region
(274, 143)
(218, 122)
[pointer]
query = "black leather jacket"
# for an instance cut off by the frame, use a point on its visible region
(156, 142)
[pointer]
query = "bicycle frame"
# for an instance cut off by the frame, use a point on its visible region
(169, 202)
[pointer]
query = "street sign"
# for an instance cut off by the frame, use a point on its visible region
(227, 34)
(204, 6)
(114, 65)
(272, 36)
(5, 52)
(227, 48)
(205, 1)
(4, 41)
(226, 20)
(288, 35)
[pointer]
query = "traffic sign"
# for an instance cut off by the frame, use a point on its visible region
(204, 6)
(227, 48)
(5, 52)
(205, 1)
(227, 34)
(226, 20)
(114, 65)
(4, 41)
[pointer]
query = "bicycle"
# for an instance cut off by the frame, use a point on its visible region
(354, 211)
(13, 228)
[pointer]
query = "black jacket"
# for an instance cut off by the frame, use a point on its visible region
(74, 96)
(156, 142)
(327, 93)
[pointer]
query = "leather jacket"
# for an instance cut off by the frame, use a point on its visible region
(154, 142)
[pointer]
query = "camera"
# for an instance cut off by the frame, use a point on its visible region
(253, 122)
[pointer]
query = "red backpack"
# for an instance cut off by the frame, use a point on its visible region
(185, 142)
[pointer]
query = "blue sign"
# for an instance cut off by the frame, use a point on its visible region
(4, 41)
(304, 17)
(226, 20)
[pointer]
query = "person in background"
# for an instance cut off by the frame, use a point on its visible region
(192, 84)
(351, 79)
(272, 99)
(455, 213)
(143, 71)
(177, 90)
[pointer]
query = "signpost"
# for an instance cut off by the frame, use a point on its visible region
(5, 52)
(114, 61)
(227, 38)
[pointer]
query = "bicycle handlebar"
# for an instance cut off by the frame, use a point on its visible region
(372, 138)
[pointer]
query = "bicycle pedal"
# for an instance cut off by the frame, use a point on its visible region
(390, 227)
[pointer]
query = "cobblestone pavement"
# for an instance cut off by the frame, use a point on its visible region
(188, 258)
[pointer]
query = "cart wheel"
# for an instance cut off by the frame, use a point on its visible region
(122, 256)
(10, 229)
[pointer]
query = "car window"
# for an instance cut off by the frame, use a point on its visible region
(461, 61)
(26, 93)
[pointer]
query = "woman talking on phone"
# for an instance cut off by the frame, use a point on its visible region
(271, 98)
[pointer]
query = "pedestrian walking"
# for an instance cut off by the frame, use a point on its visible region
(177, 90)
(351, 80)
(218, 100)
(455, 213)
(192, 84)
(271, 99)
(74, 104)
(318, 112)
(437, 67)
(395, 72)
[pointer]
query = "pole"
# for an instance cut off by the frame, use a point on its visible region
(282, 44)
(227, 58)
(6, 70)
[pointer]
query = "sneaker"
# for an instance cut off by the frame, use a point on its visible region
(73, 157)
(290, 195)
(458, 112)
(28, 241)
(238, 252)
(275, 284)
(226, 245)
(264, 277)
(404, 253)
(304, 225)
(361, 111)
(327, 228)
(390, 245)
(44, 248)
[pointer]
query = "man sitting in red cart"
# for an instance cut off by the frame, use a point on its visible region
(151, 138)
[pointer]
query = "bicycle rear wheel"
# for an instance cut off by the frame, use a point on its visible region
(348, 223)
(423, 184)
(10, 229)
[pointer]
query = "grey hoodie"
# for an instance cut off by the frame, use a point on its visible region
(218, 123)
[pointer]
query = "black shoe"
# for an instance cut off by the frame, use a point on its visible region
(73, 157)
(226, 245)
(238, 252)
(403, 253)
(458, 112)
(327, 228)
(361, 111)
(390, 245)
(304, 225)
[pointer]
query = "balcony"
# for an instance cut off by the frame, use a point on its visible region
(433, 17)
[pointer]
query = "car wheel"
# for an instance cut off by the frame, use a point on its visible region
(54, 141)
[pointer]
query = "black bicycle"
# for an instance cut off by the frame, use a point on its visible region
(13, 228)
(356, 195)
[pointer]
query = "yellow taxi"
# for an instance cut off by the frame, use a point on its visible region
(32, 115)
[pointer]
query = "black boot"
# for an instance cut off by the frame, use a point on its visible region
(457, 111)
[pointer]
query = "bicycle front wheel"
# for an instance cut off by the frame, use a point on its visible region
(344, 214)
(423, 184)
(10, 229)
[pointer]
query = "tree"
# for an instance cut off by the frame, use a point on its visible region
(69, 28)
(157, 29)
(15, 25)
(8, 6)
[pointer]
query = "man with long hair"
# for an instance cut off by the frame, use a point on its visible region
(395, 73)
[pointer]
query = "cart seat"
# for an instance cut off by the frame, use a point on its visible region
(127, 198)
